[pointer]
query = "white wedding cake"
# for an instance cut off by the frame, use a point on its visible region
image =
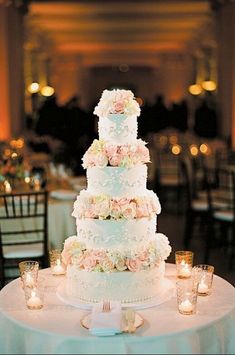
(116, 254)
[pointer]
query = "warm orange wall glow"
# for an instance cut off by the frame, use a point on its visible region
(4, 88)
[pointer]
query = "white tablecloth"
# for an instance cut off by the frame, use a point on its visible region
(61, 224)
(56, 328)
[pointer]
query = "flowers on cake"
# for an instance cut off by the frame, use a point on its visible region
(105, 207)
(102, 154)
(117, 101)
(102, 260)
(73, 248)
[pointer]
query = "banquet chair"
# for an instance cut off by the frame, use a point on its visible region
(23, 230)
(196, 208)
(168, 179)
(221, 201)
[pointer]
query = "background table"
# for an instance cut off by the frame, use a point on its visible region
(56, 328)
(61, 224)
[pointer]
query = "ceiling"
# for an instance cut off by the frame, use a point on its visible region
(130, 30)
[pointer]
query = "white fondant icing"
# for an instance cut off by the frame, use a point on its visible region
(118, 128)
(121, 234)
(123, 286)
(97, 233)
(115, 181)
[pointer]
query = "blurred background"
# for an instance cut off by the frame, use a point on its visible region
(178, 58)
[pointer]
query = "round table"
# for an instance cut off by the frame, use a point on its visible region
(56, 328)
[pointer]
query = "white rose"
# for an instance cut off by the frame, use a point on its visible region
(102, 209)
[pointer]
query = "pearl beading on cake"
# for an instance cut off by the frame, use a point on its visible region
(93, 286)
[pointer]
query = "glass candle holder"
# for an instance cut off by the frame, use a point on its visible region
(56, 263)
(203, 274)
(187, 296)
(29, 273)
(34, 296)
(184, 263)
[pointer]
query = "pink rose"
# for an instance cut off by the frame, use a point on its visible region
(115, 160)
(118, 106)
(88, 160)
(89, 262)
(124, 150)
(90, 213)
(129, 211)
(142, 211)
(122, 201)
(110, 150)
(133, 264)
(115, 210)
(143, 256)
(141, 153)
(98, 255)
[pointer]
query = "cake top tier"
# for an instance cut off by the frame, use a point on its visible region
(117, 101)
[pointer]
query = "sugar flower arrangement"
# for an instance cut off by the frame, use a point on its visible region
(105, 207)
(117, 101)
(102, 154)
(102, 260)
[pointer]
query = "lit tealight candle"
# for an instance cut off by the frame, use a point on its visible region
(58, 269)
(37, 184)
(202, 287)
(34, 302)
(186, 306)
(8, 188)
(27, 179)
(185, 270)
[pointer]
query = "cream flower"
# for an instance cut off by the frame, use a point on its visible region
(117, 101)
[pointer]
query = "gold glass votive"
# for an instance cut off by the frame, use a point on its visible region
(203, 274)
(187, 296)
(56, 263)
(29, 273)
(34, 296)
(184, 263)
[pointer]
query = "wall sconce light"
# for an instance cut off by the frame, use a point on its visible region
(193, 150)
(195, 89)
(47, 91)
(33, 88)
(176, 149)
(209, 85)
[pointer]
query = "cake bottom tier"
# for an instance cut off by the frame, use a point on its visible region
(123, 286)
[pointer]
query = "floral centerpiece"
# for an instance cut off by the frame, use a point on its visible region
(117, 101)
(12, 168)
